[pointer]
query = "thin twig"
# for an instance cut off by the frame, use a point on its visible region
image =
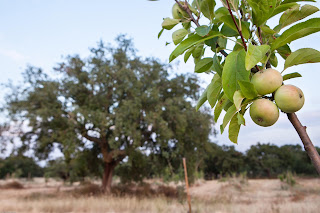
(235, 22)
(308, 146)
(186, 8)
(260, 37)
(268, 65)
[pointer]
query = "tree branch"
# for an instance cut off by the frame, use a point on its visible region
(239, 30)
(308, 146)
(186, 8)
(90, 138)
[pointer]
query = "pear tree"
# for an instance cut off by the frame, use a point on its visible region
(236, 45)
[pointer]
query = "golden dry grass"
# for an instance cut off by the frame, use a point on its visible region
(207, 196)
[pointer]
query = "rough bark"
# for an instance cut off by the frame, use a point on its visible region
(308, 146)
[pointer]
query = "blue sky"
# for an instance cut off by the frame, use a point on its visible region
(41, 33)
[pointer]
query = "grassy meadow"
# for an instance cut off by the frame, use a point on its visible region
(228, 195)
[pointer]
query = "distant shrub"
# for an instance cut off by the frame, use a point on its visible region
(287, 179)
(12, 185)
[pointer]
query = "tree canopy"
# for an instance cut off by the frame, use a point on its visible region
(114, 101)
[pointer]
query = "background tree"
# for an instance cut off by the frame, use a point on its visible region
(223, 160)
(113, 102)
(17, 165)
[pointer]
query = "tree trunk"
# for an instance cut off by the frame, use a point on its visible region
(308, 146)
(107, 177)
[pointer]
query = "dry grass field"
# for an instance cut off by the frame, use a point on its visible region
(207, 196)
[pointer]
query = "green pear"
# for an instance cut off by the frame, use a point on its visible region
(267, 81)
(289, 98)
(264, 112)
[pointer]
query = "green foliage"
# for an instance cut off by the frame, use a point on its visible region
(287, 179)
(296, 13)
(203, 65)
(214, 90)
(135, 169)
(234, 70)
(260, 161)
(203, 30)
(189, 42)
(169, 23)
(255, 47)
(234, 129)
(262, 10)
(19, 166)
(179, 35)
(291, 75)
(255, 54)
(222, 160)
(302, 56)
(106, 107)
(297, 31)
(207, 8)
(248, 89)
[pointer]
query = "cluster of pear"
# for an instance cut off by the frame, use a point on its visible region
(288, 98)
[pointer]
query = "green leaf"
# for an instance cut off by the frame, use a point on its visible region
(255, 54)
(241, 119)
(295, 14)
(207, 8)
(262, 10)
(212, 43)
(169, 23)
(291, 75)
(284, 51)
(227, 105)
(267, 30)
(198, 51)
(273, 60)
(228, 31)
(233, 71)
(203, 30)
(237, 46)
(188, 54)
(289, 1)
(282, 7)
(222, 42)
(160, 33)
(248, 89)
(234, 4)
(223, 15)
(227, 117)
(220, 105)
(297, 31)
(178, 35)
(302, 56)
(237, 99)
(234, 129)
(202, 99)
(216, 66)
(214, 90)
(190, 41)
(203, 65)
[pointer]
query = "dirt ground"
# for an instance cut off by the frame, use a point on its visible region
(231, 195)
